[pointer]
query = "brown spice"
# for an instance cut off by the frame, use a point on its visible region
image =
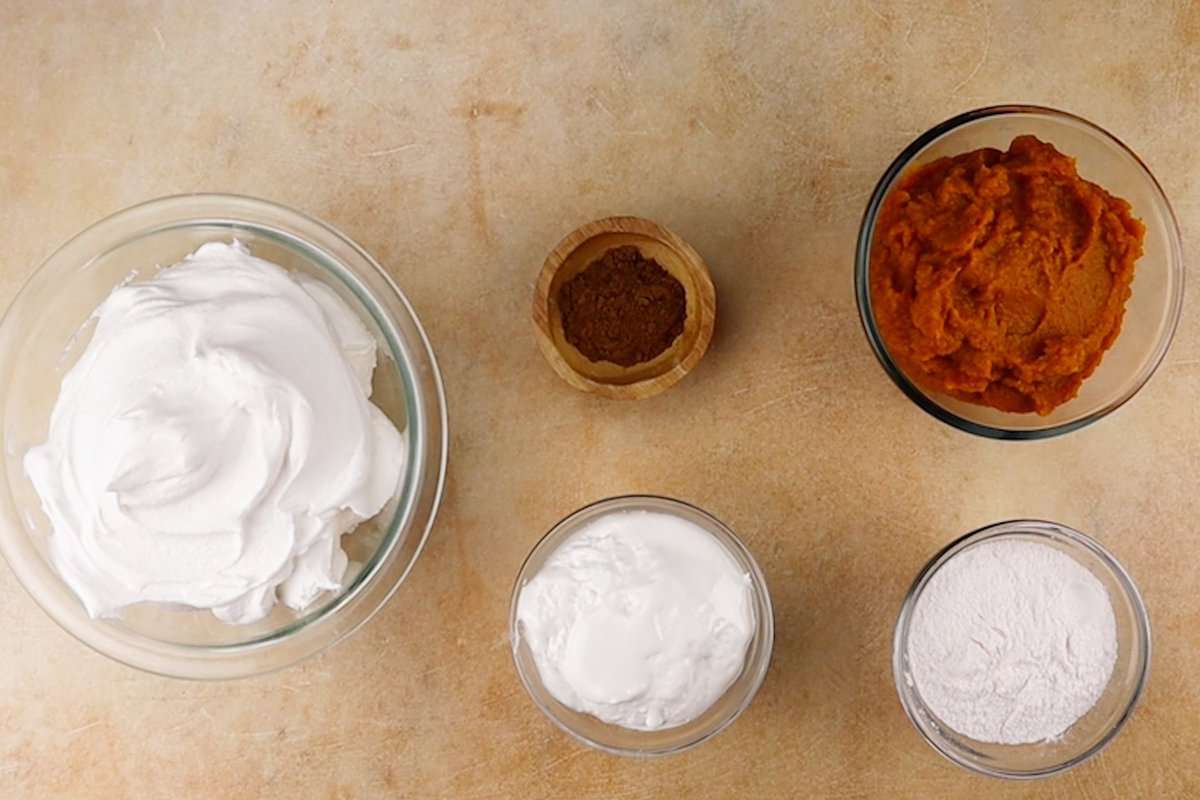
(622, 308)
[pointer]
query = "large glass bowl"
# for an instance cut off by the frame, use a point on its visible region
(1095, 729)
(721, 714)
(45, 331)
(1151, 314)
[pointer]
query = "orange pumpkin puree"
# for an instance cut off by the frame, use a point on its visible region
(1000, 278)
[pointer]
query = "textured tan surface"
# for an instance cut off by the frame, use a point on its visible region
(458, 146)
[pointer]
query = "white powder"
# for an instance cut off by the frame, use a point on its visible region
(1012, 642)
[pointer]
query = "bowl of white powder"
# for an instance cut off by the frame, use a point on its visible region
(1021, 649)
(641, 626)
(224, 436)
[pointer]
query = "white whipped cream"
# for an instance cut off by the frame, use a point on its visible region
(640, 619)
(214, 441)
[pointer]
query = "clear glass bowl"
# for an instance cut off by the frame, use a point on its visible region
(1094, 730)
(623, 741)
(44, 332)
(1151, 314)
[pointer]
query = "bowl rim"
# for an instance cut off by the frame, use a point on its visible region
(764, 630)
(284, 225)
(1039, 528)
(706, 304)
(862, 289)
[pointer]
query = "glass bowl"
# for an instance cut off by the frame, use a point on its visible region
(1151, 314)
(624, 741)
(1092, 732)
(43, 334)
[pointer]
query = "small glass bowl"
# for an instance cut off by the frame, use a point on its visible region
(44, 332)
(1151, 314)
(1092, 732)
(624, 741)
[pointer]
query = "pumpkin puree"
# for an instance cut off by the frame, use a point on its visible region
(1000, 278)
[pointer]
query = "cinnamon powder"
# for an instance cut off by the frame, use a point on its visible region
(623, 308)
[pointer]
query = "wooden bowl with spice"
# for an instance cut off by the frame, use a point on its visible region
(624, 308)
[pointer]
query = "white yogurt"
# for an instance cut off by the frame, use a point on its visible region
(640, 619)
(214, 441)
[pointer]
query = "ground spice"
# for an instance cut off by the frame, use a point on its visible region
(623, 308)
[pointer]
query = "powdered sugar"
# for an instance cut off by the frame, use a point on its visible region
(1012, 641)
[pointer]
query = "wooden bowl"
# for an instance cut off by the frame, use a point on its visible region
(578, 250)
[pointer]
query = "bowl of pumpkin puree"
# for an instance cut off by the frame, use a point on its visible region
(1019, 272)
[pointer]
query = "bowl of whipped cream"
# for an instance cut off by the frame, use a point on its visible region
(641, 626)
(224, 436)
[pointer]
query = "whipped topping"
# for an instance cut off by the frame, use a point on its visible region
(639, 618)
(214, 441)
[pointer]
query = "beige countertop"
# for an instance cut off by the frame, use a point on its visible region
(458, 145)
